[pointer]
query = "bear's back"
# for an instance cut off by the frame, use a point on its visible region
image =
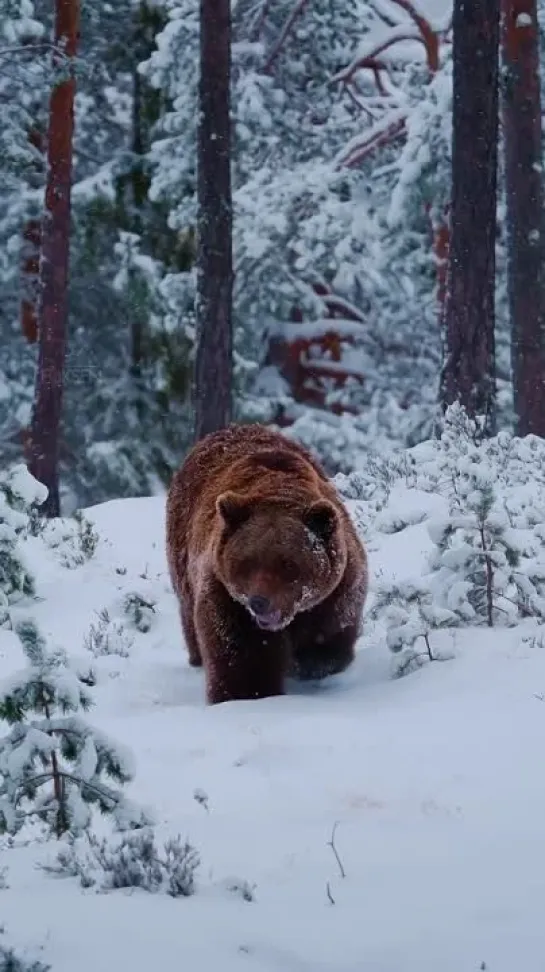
(233, 458)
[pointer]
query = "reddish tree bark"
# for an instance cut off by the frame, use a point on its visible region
(32, 230)
(53, 308)
(30, 267)
(469, 369)
(214, 357)
(30, 255)
(521, 114)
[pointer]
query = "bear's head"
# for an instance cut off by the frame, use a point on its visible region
(277, 559)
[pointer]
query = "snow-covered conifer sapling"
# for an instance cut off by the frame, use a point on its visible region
(409, 615)
(476, 552)
(53, 762)
(19, 494)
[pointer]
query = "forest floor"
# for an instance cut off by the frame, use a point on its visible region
(377, 824)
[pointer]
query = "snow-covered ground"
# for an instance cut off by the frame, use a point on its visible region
(435, 783)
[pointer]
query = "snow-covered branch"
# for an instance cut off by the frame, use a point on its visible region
(381, 134)
(429, 36)
(296, 12)
(366, 58)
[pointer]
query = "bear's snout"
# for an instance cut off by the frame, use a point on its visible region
(265, 614)
(260, 606)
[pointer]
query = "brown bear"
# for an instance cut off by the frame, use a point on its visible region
(269, 572)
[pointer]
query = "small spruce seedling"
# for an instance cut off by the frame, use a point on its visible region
(410, 616)
(19, 493)
(52, 762)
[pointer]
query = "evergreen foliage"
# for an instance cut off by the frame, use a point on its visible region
(306, 218)
(19, 493)
(73, 538)
(409, 616)
(52, 762)
(485, 564)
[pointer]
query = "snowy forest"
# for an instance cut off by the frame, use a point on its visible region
(325, 216)
(381, 246)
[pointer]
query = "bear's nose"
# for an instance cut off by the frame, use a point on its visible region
(259, 605)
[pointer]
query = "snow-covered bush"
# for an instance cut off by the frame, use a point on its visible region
(52, 762)
(489, 555)
(19, 494)
(13, 961)
(479, 507)
(140, 611)
(409, 615)
(73, 538)
(240, 888)
(108, 637)
(134, 861)
(476, 556)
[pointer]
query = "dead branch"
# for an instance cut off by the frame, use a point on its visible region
(428, 647)
(331, 843)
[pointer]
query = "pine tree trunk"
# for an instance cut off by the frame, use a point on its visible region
(32, 230)
(139, 185)
(53, 309)
(30, 254)
(521, 113)
(469, 370)
(214, 364)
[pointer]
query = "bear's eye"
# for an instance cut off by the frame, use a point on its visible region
(289, 571)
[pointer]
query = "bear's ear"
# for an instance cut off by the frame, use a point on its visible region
(232, 508)
(321, 519)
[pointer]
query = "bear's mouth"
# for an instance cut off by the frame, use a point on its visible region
(273, 621)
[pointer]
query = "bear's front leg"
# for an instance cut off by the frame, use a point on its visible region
(323, 640)
(240, 661)
(320, 654)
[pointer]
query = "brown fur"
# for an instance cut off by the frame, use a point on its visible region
(250, 514)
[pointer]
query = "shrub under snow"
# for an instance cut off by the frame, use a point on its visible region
(134, 861)
(481, 504)
(12, 961)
